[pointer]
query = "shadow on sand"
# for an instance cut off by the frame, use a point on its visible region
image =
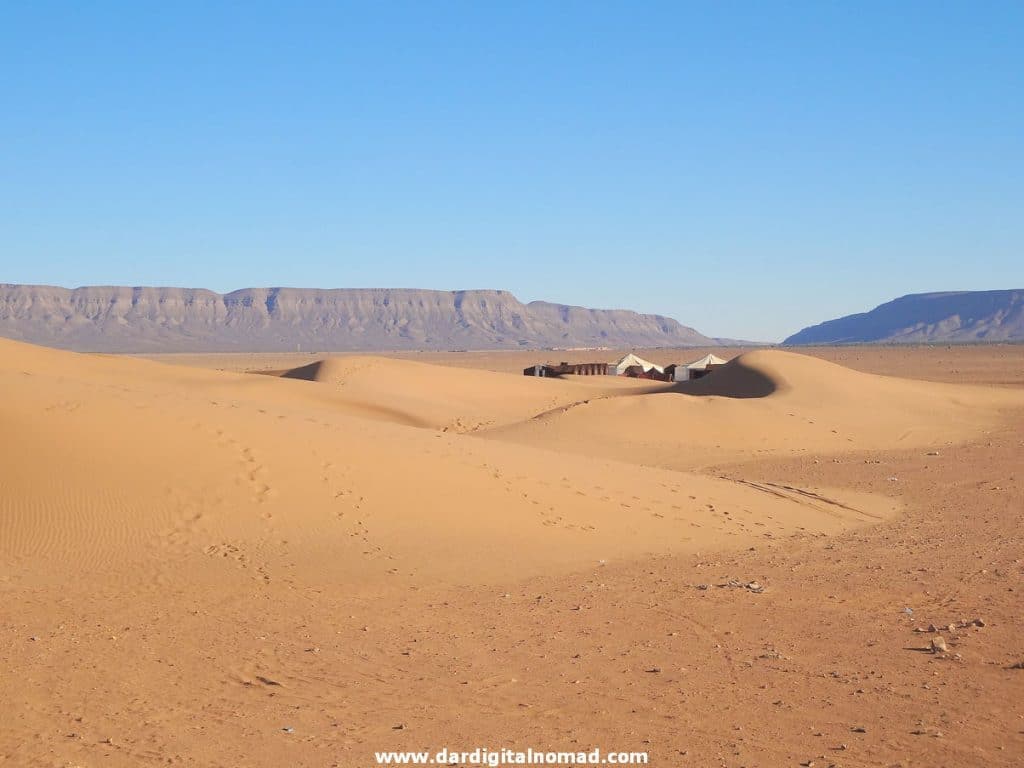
(305, 372)
(734, 379)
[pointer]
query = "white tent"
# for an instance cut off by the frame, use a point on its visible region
(683, 372)
(705, 362)
(619, 368)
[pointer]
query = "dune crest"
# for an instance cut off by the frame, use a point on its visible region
(439, 397)
(768, 403)
(174, 473)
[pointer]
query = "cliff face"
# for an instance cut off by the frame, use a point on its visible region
(122, 319)
(960, 316)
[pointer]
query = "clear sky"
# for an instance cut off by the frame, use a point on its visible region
(748, 168)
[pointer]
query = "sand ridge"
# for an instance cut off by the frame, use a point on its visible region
(360, 463)
(440, 397)
(280, 476)
(769, 403)
(171, 539)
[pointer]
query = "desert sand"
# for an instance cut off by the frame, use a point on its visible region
(364, 553)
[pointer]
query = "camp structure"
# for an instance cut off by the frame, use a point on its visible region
(630, 365)
(566, 369)
(652, 374)
(536, 370)
(697, 368)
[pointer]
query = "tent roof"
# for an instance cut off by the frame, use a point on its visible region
(632, 359)
(704, 362)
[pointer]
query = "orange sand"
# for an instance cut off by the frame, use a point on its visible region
(168, 535)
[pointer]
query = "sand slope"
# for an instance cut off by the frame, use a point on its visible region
(439, 397)
(113, 461)
(364, 473)
(767, 403)
(193, 561)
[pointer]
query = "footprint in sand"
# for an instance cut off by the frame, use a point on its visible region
(236, 554)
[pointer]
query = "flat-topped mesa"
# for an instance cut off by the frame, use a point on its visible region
(144, 319)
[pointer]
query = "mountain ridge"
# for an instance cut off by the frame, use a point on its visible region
(274, 319)
(943, 316)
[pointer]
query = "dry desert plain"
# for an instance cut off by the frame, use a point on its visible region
(208, 567)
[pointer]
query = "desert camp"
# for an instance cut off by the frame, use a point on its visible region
(512, 385)
(633, 366)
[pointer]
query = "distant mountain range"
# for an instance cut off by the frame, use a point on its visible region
(957, 316)
(121, 319)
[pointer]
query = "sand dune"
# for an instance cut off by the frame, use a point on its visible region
(250, 508)
(114, 462)
(768, 403)
(439, 397)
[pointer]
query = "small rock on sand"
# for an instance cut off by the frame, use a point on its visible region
(938, 645)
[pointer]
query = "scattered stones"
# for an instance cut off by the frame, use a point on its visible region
(952, 626)
(1018, 665)
(288, 729)
(938, 645)
(859, 729)
(654, 670)
(751, 586)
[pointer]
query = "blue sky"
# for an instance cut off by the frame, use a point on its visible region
(748, 168)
